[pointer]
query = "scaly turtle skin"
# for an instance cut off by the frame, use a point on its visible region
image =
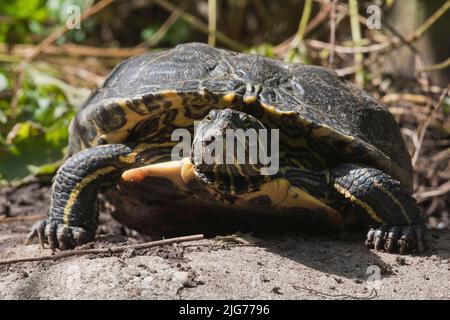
(341, 156)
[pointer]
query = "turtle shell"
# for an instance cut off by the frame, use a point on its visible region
(150, 94)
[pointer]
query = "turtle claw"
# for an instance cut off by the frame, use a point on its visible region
(370, 238)
(391, 240)
(394, 238)
(50, 232)
(380, 238)
(38, 230)
(58, 236)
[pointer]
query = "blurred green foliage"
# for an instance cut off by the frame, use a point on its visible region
(29, 20)
(33, 137)
(36, 135)
(179, 32)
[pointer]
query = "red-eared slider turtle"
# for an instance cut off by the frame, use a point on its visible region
(341, 157)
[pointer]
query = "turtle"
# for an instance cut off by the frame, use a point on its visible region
(340, 158)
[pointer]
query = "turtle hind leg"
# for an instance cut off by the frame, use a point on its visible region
(403, 237)
(380, 202)
(73, 213)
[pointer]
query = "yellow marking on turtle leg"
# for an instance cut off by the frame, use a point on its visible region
(79, 187)
(402, 209)
(359, 202)
(129, 158)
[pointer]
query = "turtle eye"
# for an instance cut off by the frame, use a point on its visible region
(246, 121)
(208, 118)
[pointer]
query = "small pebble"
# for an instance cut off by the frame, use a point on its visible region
(276, 290)
(400, 261)
(338, 280)
(133, 272)
(181, 276)
(441, 226)
(186, 279)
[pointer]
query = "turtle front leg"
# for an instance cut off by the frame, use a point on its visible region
(382, 203)
(73, 213)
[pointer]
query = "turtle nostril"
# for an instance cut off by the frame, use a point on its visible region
(209, 139)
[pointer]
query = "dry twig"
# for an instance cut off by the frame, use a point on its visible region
(332, 31)
(429, 22)
(70, 49)
(281, 48)
(33, 217)
(303, 23)
(434, 192)
(438, 66)
(356, 36)
(158, 35)
(424, 128)
(372, 294)
(112, 250)
(212, 22)
(200, 25)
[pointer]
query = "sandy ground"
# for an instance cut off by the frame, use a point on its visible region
(284, 268)
(270, 268)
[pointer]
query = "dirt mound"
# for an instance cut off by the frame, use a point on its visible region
(271, 268)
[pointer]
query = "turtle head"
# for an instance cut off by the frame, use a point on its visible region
(227, 147)
(229, 156)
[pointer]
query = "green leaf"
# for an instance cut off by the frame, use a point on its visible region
(265, 49)
(179, 32)
(298, 54)
(31, 147)
(446, 106)
(148, 32)
(3, 82)
(3, 118)
(25, 9)
(45, 169)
